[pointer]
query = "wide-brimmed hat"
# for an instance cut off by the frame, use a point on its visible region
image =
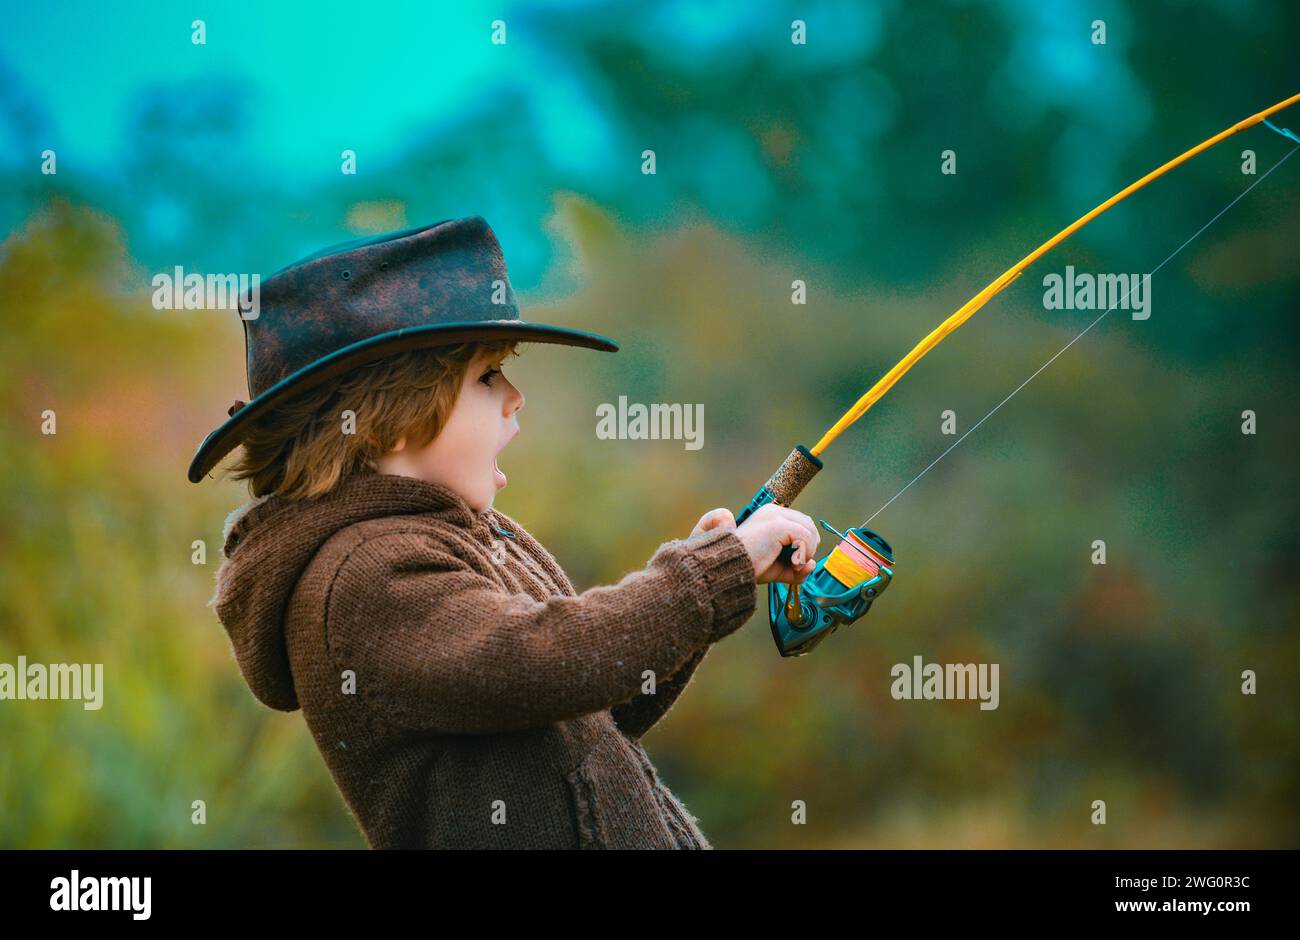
(361, 300)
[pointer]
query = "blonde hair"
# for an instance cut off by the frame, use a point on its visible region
(299, 451)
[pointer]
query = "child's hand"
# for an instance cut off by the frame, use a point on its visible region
(771, 528)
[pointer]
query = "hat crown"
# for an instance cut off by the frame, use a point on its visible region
(446, 273)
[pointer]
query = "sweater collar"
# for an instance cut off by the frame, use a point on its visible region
(272, 541)
(364, 494)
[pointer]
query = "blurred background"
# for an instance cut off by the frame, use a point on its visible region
(775, 162)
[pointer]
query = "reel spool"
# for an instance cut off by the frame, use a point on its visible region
(840, 589)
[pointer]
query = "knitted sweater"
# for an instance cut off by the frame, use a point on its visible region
(460, 691)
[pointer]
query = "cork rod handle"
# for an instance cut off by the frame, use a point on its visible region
(783, 486)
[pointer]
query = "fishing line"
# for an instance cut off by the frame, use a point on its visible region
(1085, 330)
(972, 306)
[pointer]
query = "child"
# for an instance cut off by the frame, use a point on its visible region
(461, 692)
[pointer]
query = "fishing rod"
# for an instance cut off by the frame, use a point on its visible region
(846, 581)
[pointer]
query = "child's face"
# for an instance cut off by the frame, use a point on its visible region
(463, 455)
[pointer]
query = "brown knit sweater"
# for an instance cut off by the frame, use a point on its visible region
(462, 694)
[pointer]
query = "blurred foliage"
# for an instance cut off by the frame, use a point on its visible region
(1118, 682)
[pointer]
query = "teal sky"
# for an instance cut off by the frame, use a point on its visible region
(228, 154)
(336, 76)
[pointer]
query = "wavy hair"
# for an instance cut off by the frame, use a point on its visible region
(302, 449)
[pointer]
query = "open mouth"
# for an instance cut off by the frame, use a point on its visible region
(496, 467)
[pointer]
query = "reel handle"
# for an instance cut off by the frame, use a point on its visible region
(794, 606)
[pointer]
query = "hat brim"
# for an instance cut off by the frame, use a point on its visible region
(230, 434)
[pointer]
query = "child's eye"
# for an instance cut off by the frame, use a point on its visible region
(487, 377)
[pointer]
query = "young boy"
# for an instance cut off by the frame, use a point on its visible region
(461, 692)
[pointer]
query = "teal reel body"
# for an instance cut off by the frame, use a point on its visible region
(840, 589)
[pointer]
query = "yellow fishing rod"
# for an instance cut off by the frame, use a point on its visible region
(845, 582)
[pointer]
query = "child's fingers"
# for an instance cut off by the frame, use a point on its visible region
(795, 574)
(803, 531)
(787, 573)
(804, 542)
(800, 561)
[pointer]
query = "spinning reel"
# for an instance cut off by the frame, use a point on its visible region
(838, 591)
(842, 586)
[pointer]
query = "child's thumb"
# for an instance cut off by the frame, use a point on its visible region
(715, 519)
(720, 518)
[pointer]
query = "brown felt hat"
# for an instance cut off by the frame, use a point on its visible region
(368, 298)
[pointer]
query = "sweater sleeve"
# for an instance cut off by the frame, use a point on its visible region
(634, 718)
(439, 646)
